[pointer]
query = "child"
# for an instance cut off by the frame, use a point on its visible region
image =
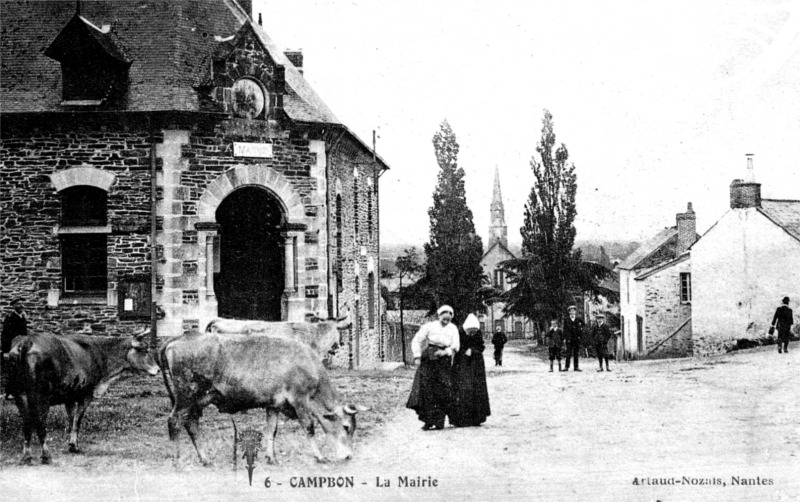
(554, 339)
(498, 340)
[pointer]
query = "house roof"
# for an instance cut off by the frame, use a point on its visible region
(500, 245)
(784, 213)
(658, 268)
(656, 244)
(166, 42)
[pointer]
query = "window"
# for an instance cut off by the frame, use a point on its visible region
(83, 263)
(339, 250)
(84, 251)
(499, 279)
(369, 212)
(355, 206)
(371, 299)
(686, 287)
(83, 206)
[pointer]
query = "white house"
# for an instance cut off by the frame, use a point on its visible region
(743, 266)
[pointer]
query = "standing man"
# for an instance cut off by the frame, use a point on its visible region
(601, 334)
(783, 320)
(554, 339)
(499, 340)
(15, 324)
(573, 332)
(433, 347)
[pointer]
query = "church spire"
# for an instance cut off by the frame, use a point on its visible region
(497, 228)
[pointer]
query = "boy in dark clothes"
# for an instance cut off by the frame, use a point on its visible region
(554, 339)
(499, 340)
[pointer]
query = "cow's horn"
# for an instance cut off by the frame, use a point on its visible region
(352, 410)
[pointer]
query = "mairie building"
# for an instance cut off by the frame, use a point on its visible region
(164, 163)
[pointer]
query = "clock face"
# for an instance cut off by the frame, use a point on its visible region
(248, 98)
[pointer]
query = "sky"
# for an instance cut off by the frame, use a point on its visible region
(657, 102)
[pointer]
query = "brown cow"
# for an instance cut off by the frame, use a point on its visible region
(46, 369)
(237, 373)
(322, 336)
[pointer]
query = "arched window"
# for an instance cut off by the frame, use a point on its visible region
(83, 206)
(339, 250)
(369, 210)
(371, 299)
(83, 232)
(355, 207)
(499, 279)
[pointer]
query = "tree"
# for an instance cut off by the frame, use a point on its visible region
(550, 271)
(453, 269)
(407, 266)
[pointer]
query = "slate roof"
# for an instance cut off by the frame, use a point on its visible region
(166, 42)
(656, 245)
(503, 249)
(784, 213)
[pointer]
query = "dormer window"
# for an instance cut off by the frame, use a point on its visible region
(94, 68)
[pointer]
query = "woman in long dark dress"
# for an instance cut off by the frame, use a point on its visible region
(431, 392)
(470, 395)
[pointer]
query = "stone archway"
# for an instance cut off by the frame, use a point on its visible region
(285, 200)
(261, 176)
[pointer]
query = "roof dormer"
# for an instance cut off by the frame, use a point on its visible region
(94, 67)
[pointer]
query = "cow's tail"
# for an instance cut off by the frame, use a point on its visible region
(235, 443)
(166, 371)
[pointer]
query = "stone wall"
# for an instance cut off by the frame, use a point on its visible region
(31, 261)
(665, 313)
(198, 171)
(354, 178)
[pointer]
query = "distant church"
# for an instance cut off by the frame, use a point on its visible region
(497, 252)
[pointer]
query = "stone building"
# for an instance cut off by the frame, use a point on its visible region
(497, 252)
(655, 284)
(165, 160)
(743, 266)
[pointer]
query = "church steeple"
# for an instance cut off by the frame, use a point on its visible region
(497, 228)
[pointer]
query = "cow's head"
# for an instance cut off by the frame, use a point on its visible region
(340, 425)
(139, 356)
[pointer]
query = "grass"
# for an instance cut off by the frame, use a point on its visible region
(127, 428)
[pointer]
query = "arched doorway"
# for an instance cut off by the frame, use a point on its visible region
(250, 281)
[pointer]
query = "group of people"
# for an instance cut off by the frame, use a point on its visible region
(450, 382)
(603, 339)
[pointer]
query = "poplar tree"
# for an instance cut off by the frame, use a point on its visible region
(453, 272)
(550, 274)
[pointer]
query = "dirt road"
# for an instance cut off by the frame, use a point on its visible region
(667, 430)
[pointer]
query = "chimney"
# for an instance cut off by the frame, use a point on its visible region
(296, 58)
(687, 230)
(247, 6)
(746, 193)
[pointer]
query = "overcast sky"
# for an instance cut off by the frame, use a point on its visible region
(657, 102)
